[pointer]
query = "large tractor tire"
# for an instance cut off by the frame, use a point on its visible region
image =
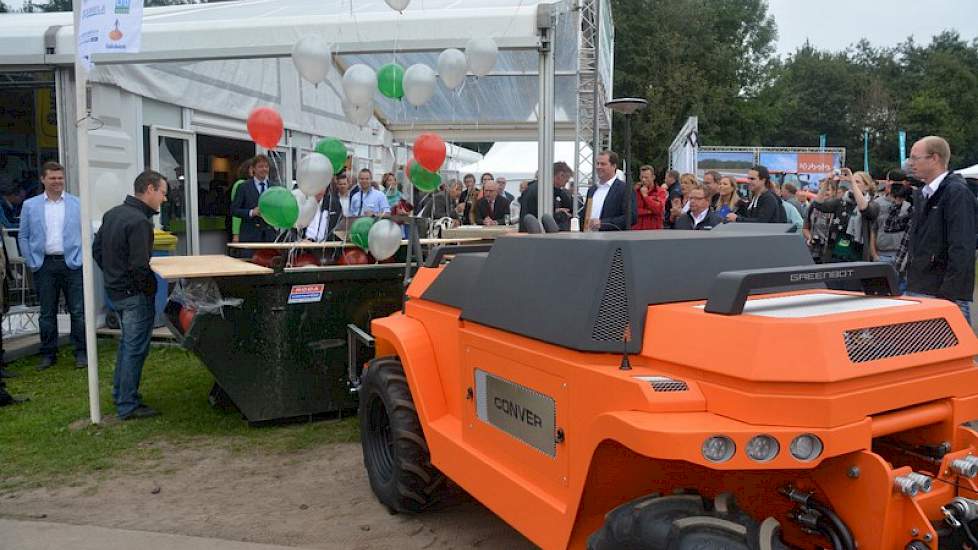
(684, 522)
(394, 448)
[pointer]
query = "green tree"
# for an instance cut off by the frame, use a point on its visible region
(691, 57)
(3, 8)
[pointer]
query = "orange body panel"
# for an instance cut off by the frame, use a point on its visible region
(621, 439)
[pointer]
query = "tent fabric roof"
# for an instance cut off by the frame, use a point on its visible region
(501, 105)
(517, 160)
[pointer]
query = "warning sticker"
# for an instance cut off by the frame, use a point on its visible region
(306, 294)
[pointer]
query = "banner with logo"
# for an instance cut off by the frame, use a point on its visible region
(108, 26)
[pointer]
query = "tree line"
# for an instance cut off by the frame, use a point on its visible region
(716, 60)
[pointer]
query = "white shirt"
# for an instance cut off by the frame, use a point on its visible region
(597, 199)
(700, 218)
(54, 225)
(259, 183)
(345, 204)
(317, 227)
(932, 187)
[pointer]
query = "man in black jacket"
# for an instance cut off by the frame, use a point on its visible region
(699, 216)
(122, 248)
(563, 202)
(942, 239)
(254, 228)
(491, 208)
(765, 206)
(605, 206)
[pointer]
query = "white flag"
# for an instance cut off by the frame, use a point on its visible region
(109, 26)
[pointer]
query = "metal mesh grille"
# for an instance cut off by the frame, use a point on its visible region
(870, 344)
(612, 320)
(666, 384)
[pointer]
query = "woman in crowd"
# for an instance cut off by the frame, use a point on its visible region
(729, 200)
(817, 223)
(391, 189)
(679, 205)
(854, 215)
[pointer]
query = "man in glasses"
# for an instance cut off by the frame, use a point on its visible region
(942, 240)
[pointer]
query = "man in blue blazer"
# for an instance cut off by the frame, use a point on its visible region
(605, 207)
(50, 241)
(254, 229)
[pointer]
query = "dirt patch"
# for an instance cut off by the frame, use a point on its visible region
(319, 498)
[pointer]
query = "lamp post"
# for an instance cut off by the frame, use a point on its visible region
(627, 106)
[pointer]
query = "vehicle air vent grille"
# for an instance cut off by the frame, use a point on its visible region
(665, 384)
(612, 319)
(873, 343)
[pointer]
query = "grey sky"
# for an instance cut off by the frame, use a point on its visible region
(834, 24)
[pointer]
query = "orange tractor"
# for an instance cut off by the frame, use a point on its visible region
(674, 390)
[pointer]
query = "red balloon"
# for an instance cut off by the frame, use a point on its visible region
(430, 151)
(353, 256)
(264, 257)
(186, 318)
(305, 259)
(266, 127)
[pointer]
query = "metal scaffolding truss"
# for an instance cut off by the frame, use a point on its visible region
(593, 119)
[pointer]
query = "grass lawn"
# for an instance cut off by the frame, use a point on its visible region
(38, 446)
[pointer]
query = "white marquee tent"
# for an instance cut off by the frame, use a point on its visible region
(517, 160)
(969, 172)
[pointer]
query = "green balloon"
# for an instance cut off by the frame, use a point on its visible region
(335, 151)
(390, 80)
(423, 179)
(278, 207)
(359, 231)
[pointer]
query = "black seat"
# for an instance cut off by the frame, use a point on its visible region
(549, 223)
(531, 224)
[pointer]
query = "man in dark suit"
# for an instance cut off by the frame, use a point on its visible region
(765, 206)
(942, 235)
(563, 202)
(699, 216)
(491, 208)
(254, 229)
(605, 206)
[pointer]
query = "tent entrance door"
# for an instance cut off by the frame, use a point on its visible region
(173, 153)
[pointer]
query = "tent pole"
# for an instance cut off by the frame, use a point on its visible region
(545, 121)
(85, 197)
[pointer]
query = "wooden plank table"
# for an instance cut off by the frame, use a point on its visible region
(187, 267)
(479, 232)
(336, 244)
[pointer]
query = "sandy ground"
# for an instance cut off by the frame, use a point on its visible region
(318, 498)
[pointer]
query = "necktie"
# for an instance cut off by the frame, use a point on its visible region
(261, 188)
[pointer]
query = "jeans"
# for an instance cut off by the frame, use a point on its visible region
(53, 279)
(963, 305)
(890, 258)
(136, 314)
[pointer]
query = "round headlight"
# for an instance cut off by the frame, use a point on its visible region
(806, 447)
(718, 448)
(762, 448)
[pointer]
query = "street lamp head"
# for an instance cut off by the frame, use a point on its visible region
(626, 105)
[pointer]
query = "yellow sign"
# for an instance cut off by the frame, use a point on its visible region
(46, 118)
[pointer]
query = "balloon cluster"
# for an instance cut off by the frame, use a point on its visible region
(429, 156)
(381, 238)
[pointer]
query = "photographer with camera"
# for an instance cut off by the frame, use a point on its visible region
(817, 224)
(853, 216)
(891, 225)
(941, 256)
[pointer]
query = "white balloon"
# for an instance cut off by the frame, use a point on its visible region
(398, 5)
(312, 58)
(481, 55)
(315, 171)
(307, 209)
(452, 67)
(419, 84)
(359, 83)
(384, 239)
(358, 114)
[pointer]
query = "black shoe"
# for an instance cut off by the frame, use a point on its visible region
(5, 373)
(46, 363)
(142, 411)
(81, 362)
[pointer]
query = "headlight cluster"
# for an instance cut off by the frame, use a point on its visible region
(762, 448)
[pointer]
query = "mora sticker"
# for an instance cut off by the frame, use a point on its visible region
(306, 294)
(523, 413)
